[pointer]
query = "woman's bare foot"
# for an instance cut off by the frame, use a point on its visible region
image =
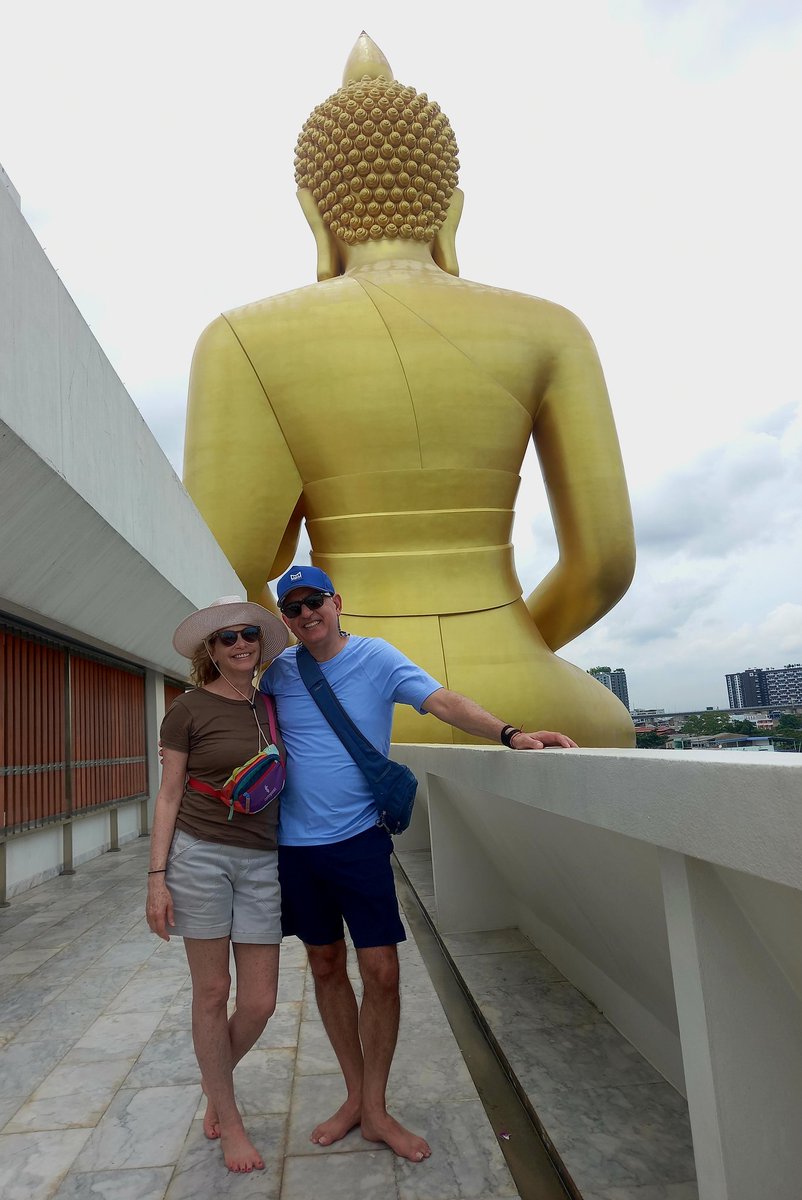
(345, 1119)
(385, 1128)
(239, 1152)
(211, 1121)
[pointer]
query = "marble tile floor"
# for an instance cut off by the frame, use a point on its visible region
(620, 1129)
(99, 1090)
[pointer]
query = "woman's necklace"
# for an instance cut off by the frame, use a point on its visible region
(250, 699)
(261, 737)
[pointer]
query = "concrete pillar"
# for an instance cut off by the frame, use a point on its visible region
(740, 1024)
(154, 712)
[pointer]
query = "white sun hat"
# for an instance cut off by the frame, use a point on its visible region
(222, 614)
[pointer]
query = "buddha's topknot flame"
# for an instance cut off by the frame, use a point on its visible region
(380, 160)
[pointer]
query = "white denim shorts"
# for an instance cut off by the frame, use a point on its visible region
(224, 891)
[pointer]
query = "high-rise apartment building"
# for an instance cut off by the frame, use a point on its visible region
(765, 685)
(747, 688)
(785, 684)
(615, 681)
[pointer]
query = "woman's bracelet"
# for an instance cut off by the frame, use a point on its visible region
(162, 871)
(507, 734)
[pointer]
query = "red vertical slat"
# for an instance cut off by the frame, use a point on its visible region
(15, 749)
(16, 733)
(3, 728)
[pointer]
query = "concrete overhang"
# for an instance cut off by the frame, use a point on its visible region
(98, 538)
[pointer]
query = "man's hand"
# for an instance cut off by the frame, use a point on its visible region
(539, 740)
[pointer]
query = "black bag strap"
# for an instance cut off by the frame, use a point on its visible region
(370, 761)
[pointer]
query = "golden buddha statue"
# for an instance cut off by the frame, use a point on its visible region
(389, 406)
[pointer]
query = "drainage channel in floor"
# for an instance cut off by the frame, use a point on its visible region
(534, 1163)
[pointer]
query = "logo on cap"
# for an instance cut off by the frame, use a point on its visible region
(298, 576)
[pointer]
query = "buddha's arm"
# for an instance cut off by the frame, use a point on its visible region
(577, 445)
(237, 466)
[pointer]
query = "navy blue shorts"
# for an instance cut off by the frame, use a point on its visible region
(352, 880)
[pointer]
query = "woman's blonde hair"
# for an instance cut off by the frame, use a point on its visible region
(202, 669)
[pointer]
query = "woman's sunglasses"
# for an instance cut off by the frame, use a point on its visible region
(229, 636)
(313, 601)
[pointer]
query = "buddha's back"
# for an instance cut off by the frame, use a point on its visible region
(390, 407)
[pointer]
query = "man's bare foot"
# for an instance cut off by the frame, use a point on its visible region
(239, 1152)
(345, 1119)
(211, 1121)
(385, 1128)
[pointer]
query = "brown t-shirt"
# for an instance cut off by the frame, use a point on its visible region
(218, 735)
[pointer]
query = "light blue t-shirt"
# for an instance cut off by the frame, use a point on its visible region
(326, 797)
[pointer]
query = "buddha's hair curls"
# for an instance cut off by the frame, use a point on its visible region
(380, 160)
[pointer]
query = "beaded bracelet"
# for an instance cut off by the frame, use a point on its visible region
(507, 734)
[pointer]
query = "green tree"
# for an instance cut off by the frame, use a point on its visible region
(746, 727)
(701, 724)
(789, 721)
(600, 671)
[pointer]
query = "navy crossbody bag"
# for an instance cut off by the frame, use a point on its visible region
(392, 784)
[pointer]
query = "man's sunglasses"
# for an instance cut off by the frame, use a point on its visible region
(229, 636)
(313, 601)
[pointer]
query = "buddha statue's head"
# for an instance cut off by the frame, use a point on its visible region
(377, 161)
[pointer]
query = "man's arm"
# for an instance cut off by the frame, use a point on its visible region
(470, 717)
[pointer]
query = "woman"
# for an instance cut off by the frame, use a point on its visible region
(213, 870)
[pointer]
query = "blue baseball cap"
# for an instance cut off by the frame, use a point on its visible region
(297, 577)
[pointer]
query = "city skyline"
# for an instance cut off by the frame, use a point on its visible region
(668, 225)
(752, 687)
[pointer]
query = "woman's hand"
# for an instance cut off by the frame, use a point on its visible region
(159, 906)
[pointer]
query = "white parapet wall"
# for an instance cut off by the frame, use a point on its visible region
(99, 541)
(668, 888)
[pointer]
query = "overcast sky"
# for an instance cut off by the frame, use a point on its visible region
(635, 161)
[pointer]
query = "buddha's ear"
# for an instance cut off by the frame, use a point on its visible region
(329, 260)
(444, 251)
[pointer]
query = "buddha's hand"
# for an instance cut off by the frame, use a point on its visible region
(540, 740)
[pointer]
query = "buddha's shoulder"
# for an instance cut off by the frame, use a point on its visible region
(299, 300)
(520, 312)
(535, 306)
(334, 299)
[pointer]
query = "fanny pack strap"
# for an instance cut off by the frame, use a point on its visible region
(271, 720)
(206, 789)
(370, 761)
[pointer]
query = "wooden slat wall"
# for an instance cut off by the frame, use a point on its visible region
(171, 691)
(108, 722)
(31, 730)
(108, 707)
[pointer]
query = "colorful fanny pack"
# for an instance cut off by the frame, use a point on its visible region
(257, 783)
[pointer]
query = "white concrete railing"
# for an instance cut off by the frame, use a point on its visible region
(668, 887)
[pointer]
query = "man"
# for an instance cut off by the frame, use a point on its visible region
(334, 861)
